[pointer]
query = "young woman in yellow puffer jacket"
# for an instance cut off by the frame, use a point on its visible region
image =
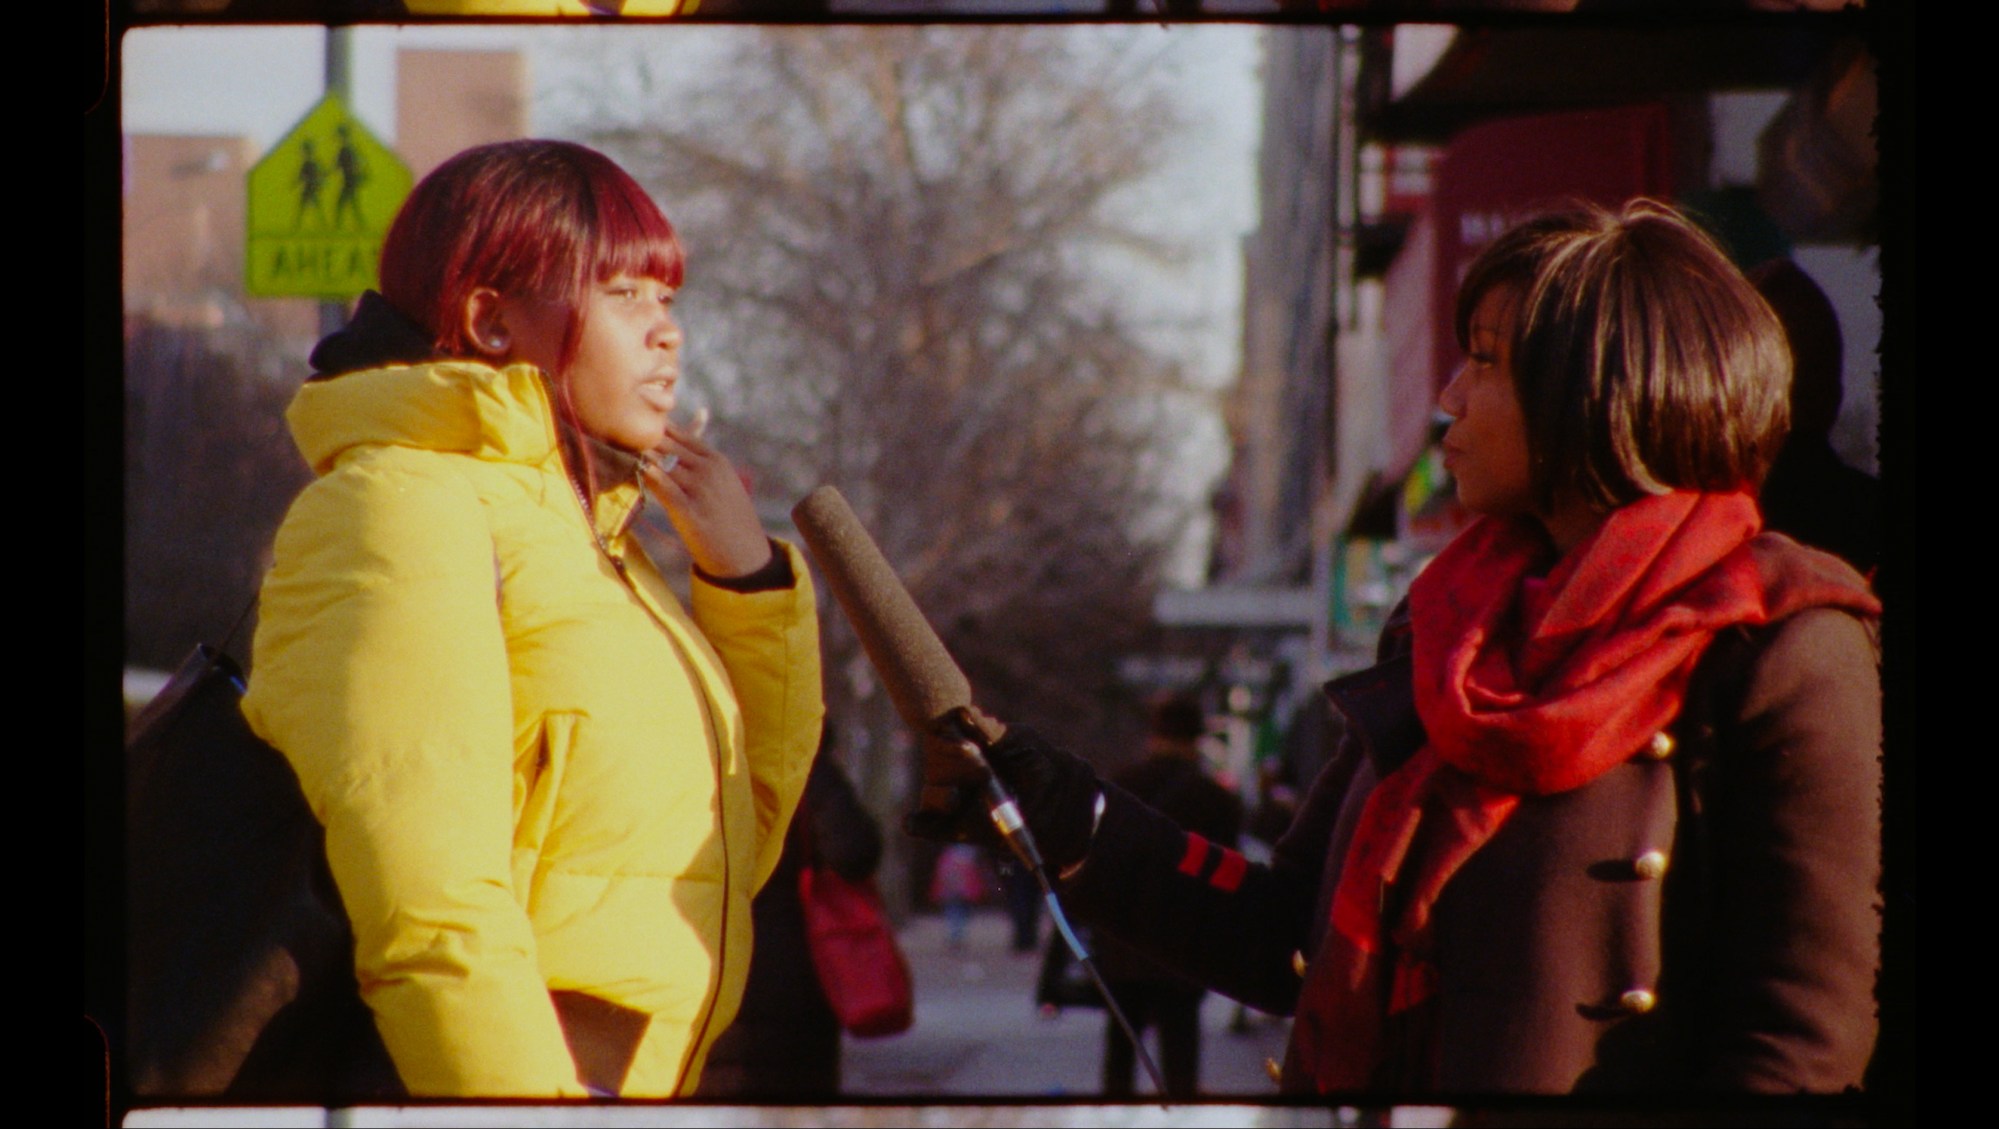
(549, 789)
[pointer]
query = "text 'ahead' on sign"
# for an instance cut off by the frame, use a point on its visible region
(319, 204)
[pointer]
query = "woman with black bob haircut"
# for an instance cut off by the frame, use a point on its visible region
(549, 788)
(1606, 814)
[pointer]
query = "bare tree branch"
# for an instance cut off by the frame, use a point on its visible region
(893, 287)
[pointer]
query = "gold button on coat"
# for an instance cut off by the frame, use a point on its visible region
(1660, 746)
(1651, 864)
(1275, 1071)
(1638, 1001)
(1298, 962)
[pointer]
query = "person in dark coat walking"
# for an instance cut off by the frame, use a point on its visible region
(1606, 817)
(1173, 780)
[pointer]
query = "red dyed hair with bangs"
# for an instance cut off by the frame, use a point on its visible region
(535, 219)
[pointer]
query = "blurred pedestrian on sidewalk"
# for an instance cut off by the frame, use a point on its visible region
(958, 884)
(1173, 779)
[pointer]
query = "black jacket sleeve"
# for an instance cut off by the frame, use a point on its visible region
(1200, 908)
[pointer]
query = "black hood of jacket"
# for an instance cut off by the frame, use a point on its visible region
(377, 335)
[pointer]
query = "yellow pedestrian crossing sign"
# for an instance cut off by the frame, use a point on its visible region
(319, 204)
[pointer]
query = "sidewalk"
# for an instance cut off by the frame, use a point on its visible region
(978, 1034)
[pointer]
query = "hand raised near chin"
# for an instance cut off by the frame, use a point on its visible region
(707, 503)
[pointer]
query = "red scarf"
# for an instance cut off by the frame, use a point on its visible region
(1529, 686)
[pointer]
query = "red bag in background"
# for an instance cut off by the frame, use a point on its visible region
(854, 951)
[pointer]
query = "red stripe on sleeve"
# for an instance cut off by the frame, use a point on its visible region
(1197, 853)
(1228, 872)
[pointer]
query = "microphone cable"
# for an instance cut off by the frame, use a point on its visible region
(1012, 826)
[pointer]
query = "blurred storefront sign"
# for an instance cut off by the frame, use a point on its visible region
(1284, 609)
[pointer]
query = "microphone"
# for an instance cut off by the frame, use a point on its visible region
(922, 680)
(934, 699)
(930, 693)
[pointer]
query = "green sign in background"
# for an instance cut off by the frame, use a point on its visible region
(319, 204)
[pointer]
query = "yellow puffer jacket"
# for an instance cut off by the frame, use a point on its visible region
(535, 774)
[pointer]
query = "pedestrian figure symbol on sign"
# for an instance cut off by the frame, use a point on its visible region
(311, 181)
(353, 174)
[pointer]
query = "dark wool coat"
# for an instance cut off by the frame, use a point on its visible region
(1702, 917)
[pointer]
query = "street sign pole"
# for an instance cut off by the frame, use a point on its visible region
(339, 80)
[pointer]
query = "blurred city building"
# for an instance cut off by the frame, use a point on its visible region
(183, 237)
(452, 100)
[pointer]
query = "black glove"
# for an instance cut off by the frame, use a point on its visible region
(1056, 791)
